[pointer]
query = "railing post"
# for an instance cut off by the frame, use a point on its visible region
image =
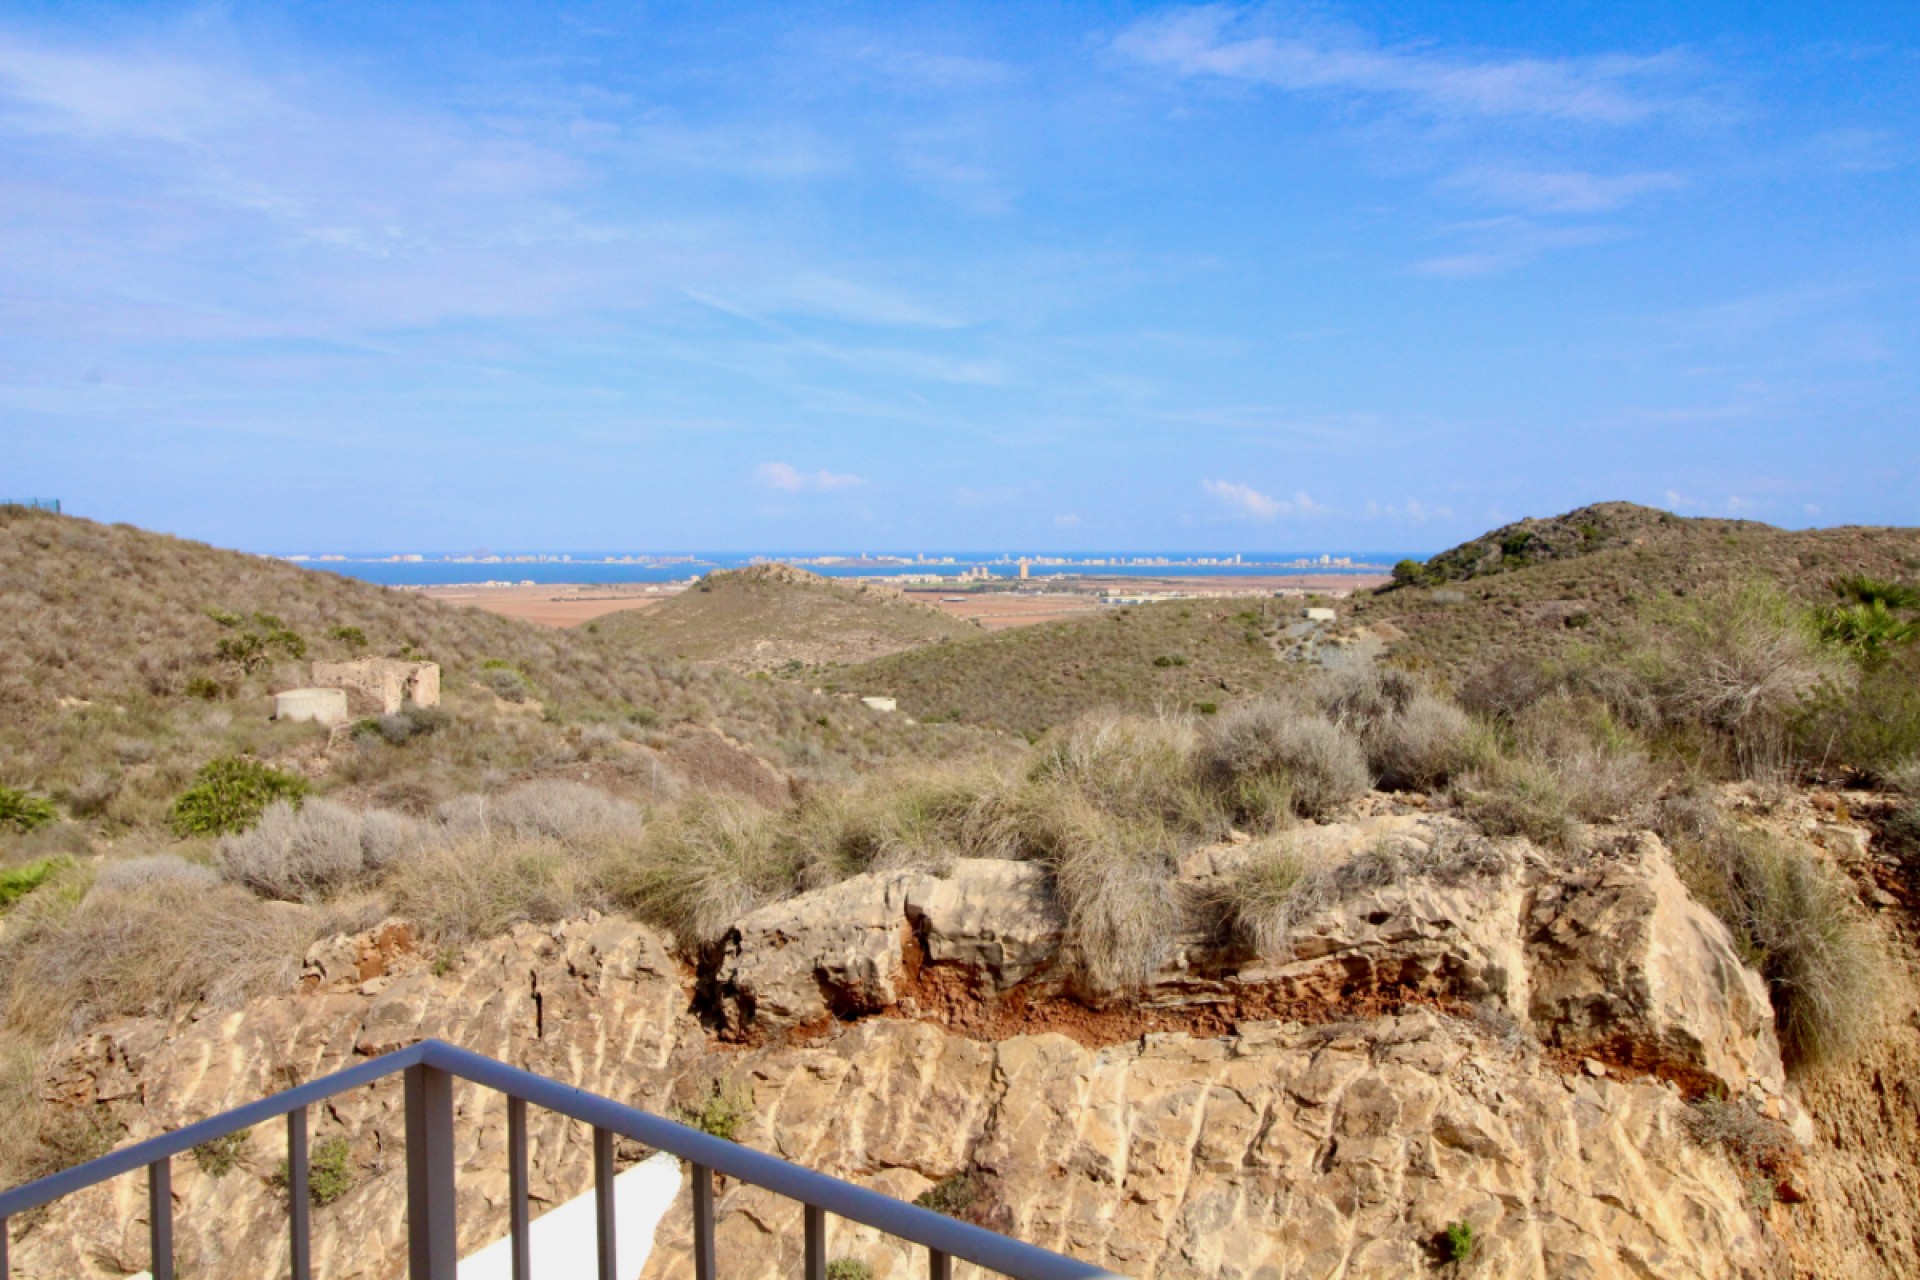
(431, 1244)
(160, 1218)
(299, 1196)
(939, 1265)
(816, 1259)
(604, 1226)
(5, 1270)
(516, 1188)
(702, 1223)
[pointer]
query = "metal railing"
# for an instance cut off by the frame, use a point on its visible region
(431, 1067)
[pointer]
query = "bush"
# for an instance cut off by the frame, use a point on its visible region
(17, 882)
(1796, 921)
(23, 811)
(849, 1269)
(315, 851)
(151, 869)
(479, 887)
(1134, 767)
(160, 946)
(1114, 877)
(352, 637)
(507, 683)
(330, 1172)
(721, 1113)
(1520, 798)
(954, 1196)
(217, 1157)
(702, 867)
(1261, 899)
(1258, 752)
(569, 812)
(1424, 744)
(1458, 1239)
(1871, 729)
(1599, 766)
(230, 794)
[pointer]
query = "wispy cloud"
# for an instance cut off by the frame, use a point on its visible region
(1561, 192)
(788, 478)
(1501, 244)
(1411, 511)
(1249, 503)
(1230, 44)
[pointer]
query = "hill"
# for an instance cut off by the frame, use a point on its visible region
(1176, 655)
(1566, 596)
(128, 659)
(775, 616)
(1604, 526)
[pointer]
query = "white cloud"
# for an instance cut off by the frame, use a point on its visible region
(1564, 192)
(1066, 520)
(790, 479)
(1249, 503)
(1220, 43)
(1412, 511)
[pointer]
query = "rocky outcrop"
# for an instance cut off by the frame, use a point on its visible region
(1281, 1148)
(1609, 958)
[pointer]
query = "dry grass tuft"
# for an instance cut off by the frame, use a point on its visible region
(1115, 880)
(469, 888)
(703, 866)
(167, 943)
(1267, 757)
(1798, 923)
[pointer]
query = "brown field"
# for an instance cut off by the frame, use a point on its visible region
(553, 605)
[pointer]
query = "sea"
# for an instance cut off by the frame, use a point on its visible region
(542, 568)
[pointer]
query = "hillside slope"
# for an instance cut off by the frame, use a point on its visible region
(128, 659)
(1603, 526)
(771, 616)
(1176, 655)
(1540, 609)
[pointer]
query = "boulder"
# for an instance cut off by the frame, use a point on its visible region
(1627, 968)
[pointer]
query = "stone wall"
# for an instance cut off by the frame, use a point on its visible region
(382, 686)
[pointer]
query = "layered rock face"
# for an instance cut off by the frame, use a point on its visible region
(1471, 1033)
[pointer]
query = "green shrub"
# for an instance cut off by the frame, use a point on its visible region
(246, 650)
(1871, 729)
(24, 811)
(288, 642)
(954, 1196)
(216, 1157)
(721, 1113)
(330, 1172)
(1458, 1241)
(352, 637)
(225, 619)
(849, 1269)
(230, 794)
(205, 688)
(17, 882)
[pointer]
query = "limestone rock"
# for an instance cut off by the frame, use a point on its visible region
(1628, 968)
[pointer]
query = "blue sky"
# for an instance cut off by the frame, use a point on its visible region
(1046, 276)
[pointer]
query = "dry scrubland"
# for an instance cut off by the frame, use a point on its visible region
(778, 618)
(120, 688)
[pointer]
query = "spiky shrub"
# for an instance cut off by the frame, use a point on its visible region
(1424, 745)
(217, 1157)
(1262, 898)
(700, 868)
(163, 945)
(24, 811)
(1599, 766)
(720, 1113)
(1115, 879)
(312, 852)
(230, 794)
(1796, 921)
(468, 888)
(1129, 767)
(1520, 797)
(1262, 751)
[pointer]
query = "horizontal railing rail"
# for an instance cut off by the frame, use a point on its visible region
(429, 1068)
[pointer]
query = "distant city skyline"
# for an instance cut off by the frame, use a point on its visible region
(1067, 276)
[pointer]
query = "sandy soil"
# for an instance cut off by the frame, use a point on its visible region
(570, 606)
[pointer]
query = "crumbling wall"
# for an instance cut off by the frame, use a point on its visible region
(382, 685)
